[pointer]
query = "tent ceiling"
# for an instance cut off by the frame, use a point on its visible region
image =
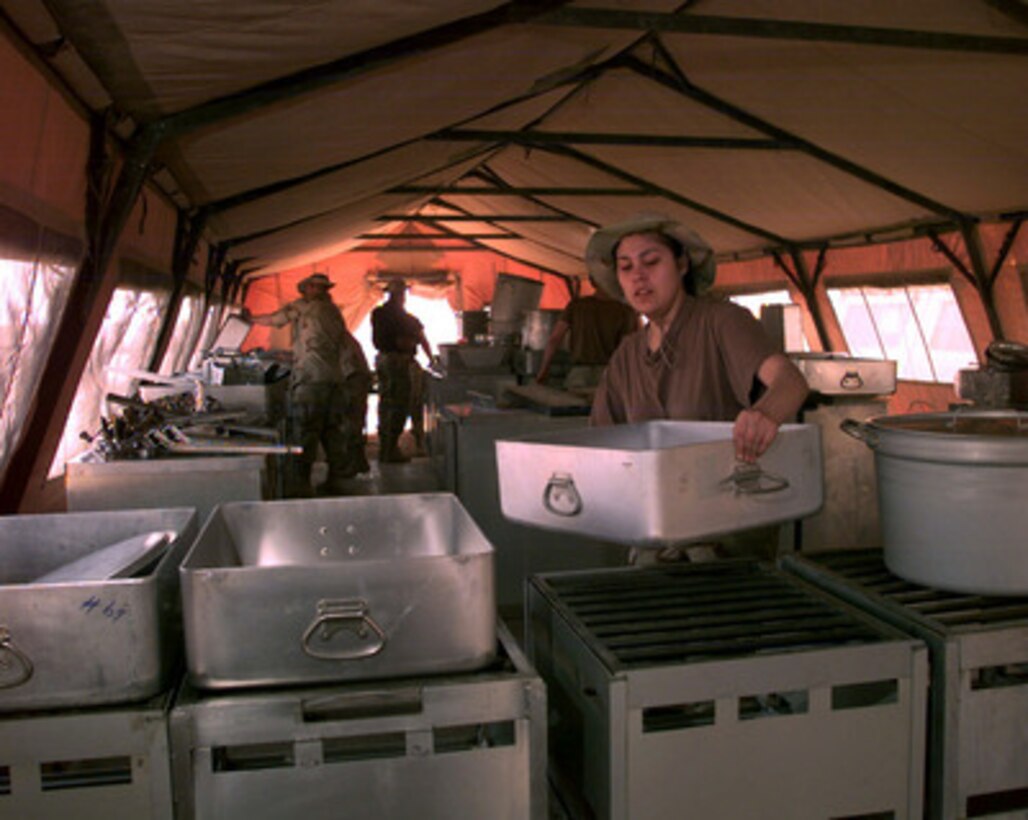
(300, 129)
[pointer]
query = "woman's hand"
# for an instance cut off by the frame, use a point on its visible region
(757, 427)
(753, 433)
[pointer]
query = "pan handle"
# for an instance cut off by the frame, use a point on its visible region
(351, 615)
(12, 659)
(561, 497)
(860, 431)
(365, 704)
(752, 479)
(851, 380)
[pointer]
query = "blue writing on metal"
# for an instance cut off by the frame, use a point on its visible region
(112, 610)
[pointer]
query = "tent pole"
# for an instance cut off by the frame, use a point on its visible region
(188, 231)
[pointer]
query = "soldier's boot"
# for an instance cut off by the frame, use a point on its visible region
(298, 480)
(389, 452)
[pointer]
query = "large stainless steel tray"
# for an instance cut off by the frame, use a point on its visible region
(658, 482)
(86, 643)
(838, 374)
(337, 589)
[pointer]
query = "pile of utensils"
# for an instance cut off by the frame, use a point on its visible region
(178, 424)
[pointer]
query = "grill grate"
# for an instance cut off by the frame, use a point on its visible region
(698, 612)
(943, 610)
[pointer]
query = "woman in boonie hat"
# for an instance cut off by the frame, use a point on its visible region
(697, 359)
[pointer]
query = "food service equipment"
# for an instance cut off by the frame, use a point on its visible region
(84, 643)
(953, 497)
(839, 374)
(201, 482)
(336, 589)
(101, 763)
(726, 689)
(468, 745)
(657, 482)
(978, 699)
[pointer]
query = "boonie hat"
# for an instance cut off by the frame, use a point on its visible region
(599, 252)
(396, 286)
(315, 279)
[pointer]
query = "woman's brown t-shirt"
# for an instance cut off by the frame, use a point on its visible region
(703, 371)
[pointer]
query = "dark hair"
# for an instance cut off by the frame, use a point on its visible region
(677, 250)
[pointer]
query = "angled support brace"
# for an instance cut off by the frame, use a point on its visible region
(806, 284)
(977, 274)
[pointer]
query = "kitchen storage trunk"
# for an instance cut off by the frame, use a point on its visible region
(468, 745)
(101, 763)
(978, 701)
(88, 642)
(725, 690)
(282, 592)
(657, 482)
(953, 497)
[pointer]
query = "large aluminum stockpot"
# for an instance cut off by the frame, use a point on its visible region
(658, 482)
(337, 589)
(953, 497)
(87, 642)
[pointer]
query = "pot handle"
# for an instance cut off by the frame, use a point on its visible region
(352, 615)
(752, 479)
(13, 659)
(860, 431)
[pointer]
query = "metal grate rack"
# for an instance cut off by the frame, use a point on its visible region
(978, 701)
(688, 614)
(728, 689)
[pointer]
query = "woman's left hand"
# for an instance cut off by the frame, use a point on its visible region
(753, 434)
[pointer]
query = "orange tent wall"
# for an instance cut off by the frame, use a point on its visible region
(476, 272)
(44, 144)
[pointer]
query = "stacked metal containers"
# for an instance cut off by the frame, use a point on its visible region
(466, 745)
(87, 665)
(379, 614)
(978, 730)
(728, 689)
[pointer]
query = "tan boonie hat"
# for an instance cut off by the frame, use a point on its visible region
(599, 252)
(315, 279)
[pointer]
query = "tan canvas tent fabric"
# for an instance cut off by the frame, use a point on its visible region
(239, 145)
(296, 127)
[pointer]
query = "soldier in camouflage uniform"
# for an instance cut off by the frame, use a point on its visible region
(321, 405)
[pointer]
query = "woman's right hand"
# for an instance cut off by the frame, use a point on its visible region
(753, 433)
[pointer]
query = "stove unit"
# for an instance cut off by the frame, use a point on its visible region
(95, 763)
(978, 700)
(462, 745)
(728, 689)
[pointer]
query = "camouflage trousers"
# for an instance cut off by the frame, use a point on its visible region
(323, 415)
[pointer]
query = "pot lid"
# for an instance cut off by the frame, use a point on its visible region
(1011, 424)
